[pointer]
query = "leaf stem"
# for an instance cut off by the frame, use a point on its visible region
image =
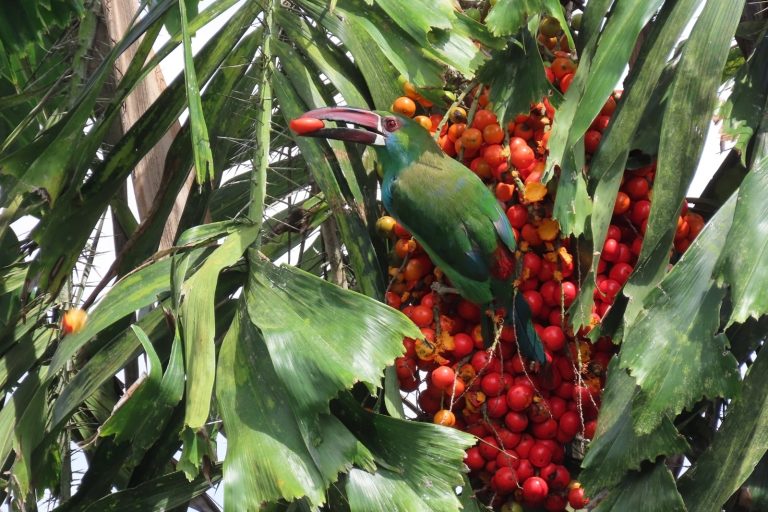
(263, 124)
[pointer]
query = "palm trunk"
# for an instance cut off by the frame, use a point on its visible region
(148, 173)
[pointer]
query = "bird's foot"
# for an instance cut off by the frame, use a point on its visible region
(441, 289)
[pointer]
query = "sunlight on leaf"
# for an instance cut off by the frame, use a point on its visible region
(419, 474)
(344, 337)
(692, 97)
(201, 146)
(680, 318)
(744, 264)
(274, 451)
(197, 317)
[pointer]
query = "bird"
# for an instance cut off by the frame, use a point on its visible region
(445, 206)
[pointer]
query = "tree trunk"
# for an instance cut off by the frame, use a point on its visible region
(148, 173)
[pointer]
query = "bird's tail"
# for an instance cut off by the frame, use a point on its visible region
(528, 341)
(518, 316)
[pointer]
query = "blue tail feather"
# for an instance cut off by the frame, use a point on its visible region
(527, 339)
(519, 315)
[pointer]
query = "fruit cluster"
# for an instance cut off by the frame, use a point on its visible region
(524, 415)
(531, 420)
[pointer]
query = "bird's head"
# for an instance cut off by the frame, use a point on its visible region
(391, 135)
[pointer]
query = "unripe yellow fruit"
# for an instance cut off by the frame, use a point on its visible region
(385, 225)
(73, 321)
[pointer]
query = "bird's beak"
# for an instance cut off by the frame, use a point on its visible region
(368, 125)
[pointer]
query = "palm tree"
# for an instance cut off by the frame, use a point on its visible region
(291, 364)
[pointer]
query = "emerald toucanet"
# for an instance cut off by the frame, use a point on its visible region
(446, 207)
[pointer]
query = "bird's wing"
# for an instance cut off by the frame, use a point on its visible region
(450, 212)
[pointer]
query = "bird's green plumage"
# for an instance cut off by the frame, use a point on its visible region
(454, 216)
(447, 208)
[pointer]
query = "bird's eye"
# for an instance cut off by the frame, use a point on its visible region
(391, 124)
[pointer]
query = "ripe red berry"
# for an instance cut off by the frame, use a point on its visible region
(521, 155)
(534, 300)
(570, 423)
(535, 489)
(640, 211)
(405, 367)
(555, 503)
(609, 107)
(565, 369)
(504, 481)
(622, 204)
(565, 82)
(540, 455)
(576, 497)
(496, 407)
(306, 125)
(483, 118)
(443, 377)
(473, 459)
(610, 250)
(592, 140)
(517, 215)
(557, 405)
(546, 429)
(553, 338)
(401, 232)
(557, 476)
(469, 311)
(519, 397)
(516, 422)
(620, 272)
(488, 448)
(558, 450)
(600, 123)
(550, 74)
(523, 448)
(421, 316)
(550, 293)
(589, 429)
(525, 470)
(562, 66)
(547, 272)
(637, 188)
(507, 439)
(569, 293)
(429, 300)
(409, 383)
(480, 360)
(429, 403)
(683, 229)
(614, 232)
(463, 345)
(494, 154)
(607, 290)
(532, 262)
(539, 412)
(492, 384)
(507, 458)
(531, 235)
